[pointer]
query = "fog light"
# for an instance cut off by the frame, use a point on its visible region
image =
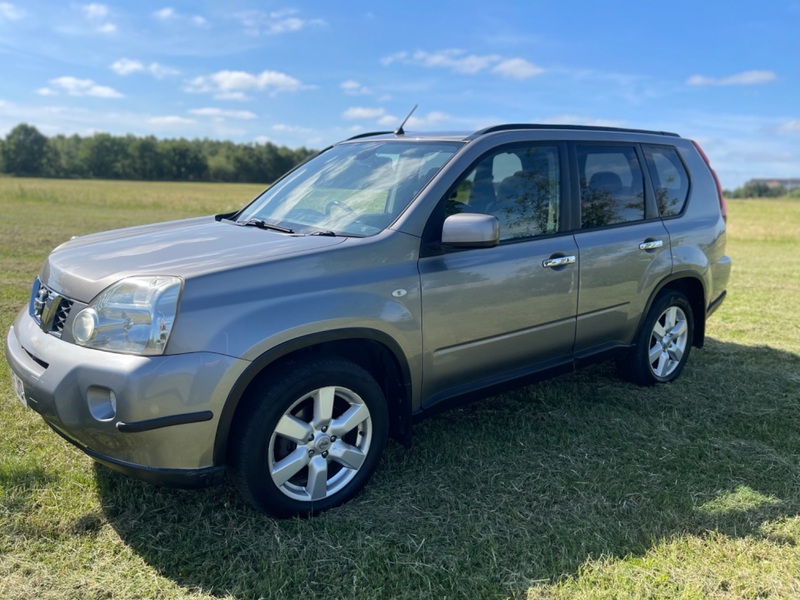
(102, 403)
(84, 325)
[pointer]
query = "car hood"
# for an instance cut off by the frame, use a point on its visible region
(85, 266)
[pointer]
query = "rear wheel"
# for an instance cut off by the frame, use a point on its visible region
(663, 344)
(311, 440)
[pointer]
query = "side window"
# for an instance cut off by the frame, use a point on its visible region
(611, 185)
(520, 185)
(670, 179)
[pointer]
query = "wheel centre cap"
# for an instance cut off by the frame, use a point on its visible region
(323, 444)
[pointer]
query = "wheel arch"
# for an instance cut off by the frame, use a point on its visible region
(691, 286)
(373, 350)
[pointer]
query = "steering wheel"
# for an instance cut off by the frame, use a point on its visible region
(335, 204)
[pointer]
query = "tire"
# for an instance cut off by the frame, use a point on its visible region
(310, 439)
(663, 342)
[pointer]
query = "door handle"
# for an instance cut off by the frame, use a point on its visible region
(560, 261)
(651, 244)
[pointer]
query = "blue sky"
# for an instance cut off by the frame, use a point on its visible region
(726, 74)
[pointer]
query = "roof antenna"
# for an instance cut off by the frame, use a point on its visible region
(399, 130)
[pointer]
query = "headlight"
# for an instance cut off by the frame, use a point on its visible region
(134, 316)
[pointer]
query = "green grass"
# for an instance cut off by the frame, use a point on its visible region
(583, 486)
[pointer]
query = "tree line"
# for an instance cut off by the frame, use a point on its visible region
(757, 189)
(25, 151)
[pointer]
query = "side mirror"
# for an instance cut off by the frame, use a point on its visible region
(471, 230)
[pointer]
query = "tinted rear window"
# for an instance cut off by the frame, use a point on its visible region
(670, 179)
(612, 188)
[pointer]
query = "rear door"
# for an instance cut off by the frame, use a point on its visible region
(623, 244)
(490, 314)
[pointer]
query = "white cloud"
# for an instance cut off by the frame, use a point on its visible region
(257, 22)
(415, 121)
(10, 12)
(285, 128)
(53, 119)
(97, 14)
(432, 118)
(239, 96)
(456, 60)
(517, 68)
(165, 14)
(381, 117)
(95, 11)
(160, 71)
(219, 113)
(469, 64)
(790, 127)
(168, 14)
(354, 88)
(126, 66)
(72, 86)
(358, 112)
(231, 85)
(170, 121)
(570, 119)
(743, 78)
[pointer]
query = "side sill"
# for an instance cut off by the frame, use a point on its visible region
(490, 387)
(150, 424)
(715, 304)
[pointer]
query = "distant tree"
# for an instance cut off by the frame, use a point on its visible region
(248, 165)
(757, 190)
(220, 167)
(51, 164)
(24, 151)
(67, 154)
(105, 157)
(183, 161)
(146, 158)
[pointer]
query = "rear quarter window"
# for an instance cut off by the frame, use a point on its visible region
(670, 179)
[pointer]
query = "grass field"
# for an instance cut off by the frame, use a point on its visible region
(583, 486)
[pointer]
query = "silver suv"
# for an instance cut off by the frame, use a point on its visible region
(390, 274)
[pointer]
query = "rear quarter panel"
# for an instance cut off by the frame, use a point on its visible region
(699, 234)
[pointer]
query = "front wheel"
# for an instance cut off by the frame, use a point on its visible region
(310, 440)
(663, 344)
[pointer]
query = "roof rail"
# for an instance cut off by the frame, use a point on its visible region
(517, 126)
(363, 135)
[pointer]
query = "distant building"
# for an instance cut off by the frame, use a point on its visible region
(787, 184)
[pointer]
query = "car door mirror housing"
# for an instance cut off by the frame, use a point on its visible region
(471, 230)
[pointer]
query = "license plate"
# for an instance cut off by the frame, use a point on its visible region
(19, 388)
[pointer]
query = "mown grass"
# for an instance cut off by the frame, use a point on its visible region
(583, 486)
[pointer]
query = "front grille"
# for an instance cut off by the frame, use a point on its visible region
(61, 315)
(50, 309)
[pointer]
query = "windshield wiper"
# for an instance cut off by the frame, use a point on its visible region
(262, 224)
(324, 232)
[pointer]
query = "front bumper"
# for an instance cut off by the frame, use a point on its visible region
(153, 417)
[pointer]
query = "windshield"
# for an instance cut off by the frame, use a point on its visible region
(353, 189)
